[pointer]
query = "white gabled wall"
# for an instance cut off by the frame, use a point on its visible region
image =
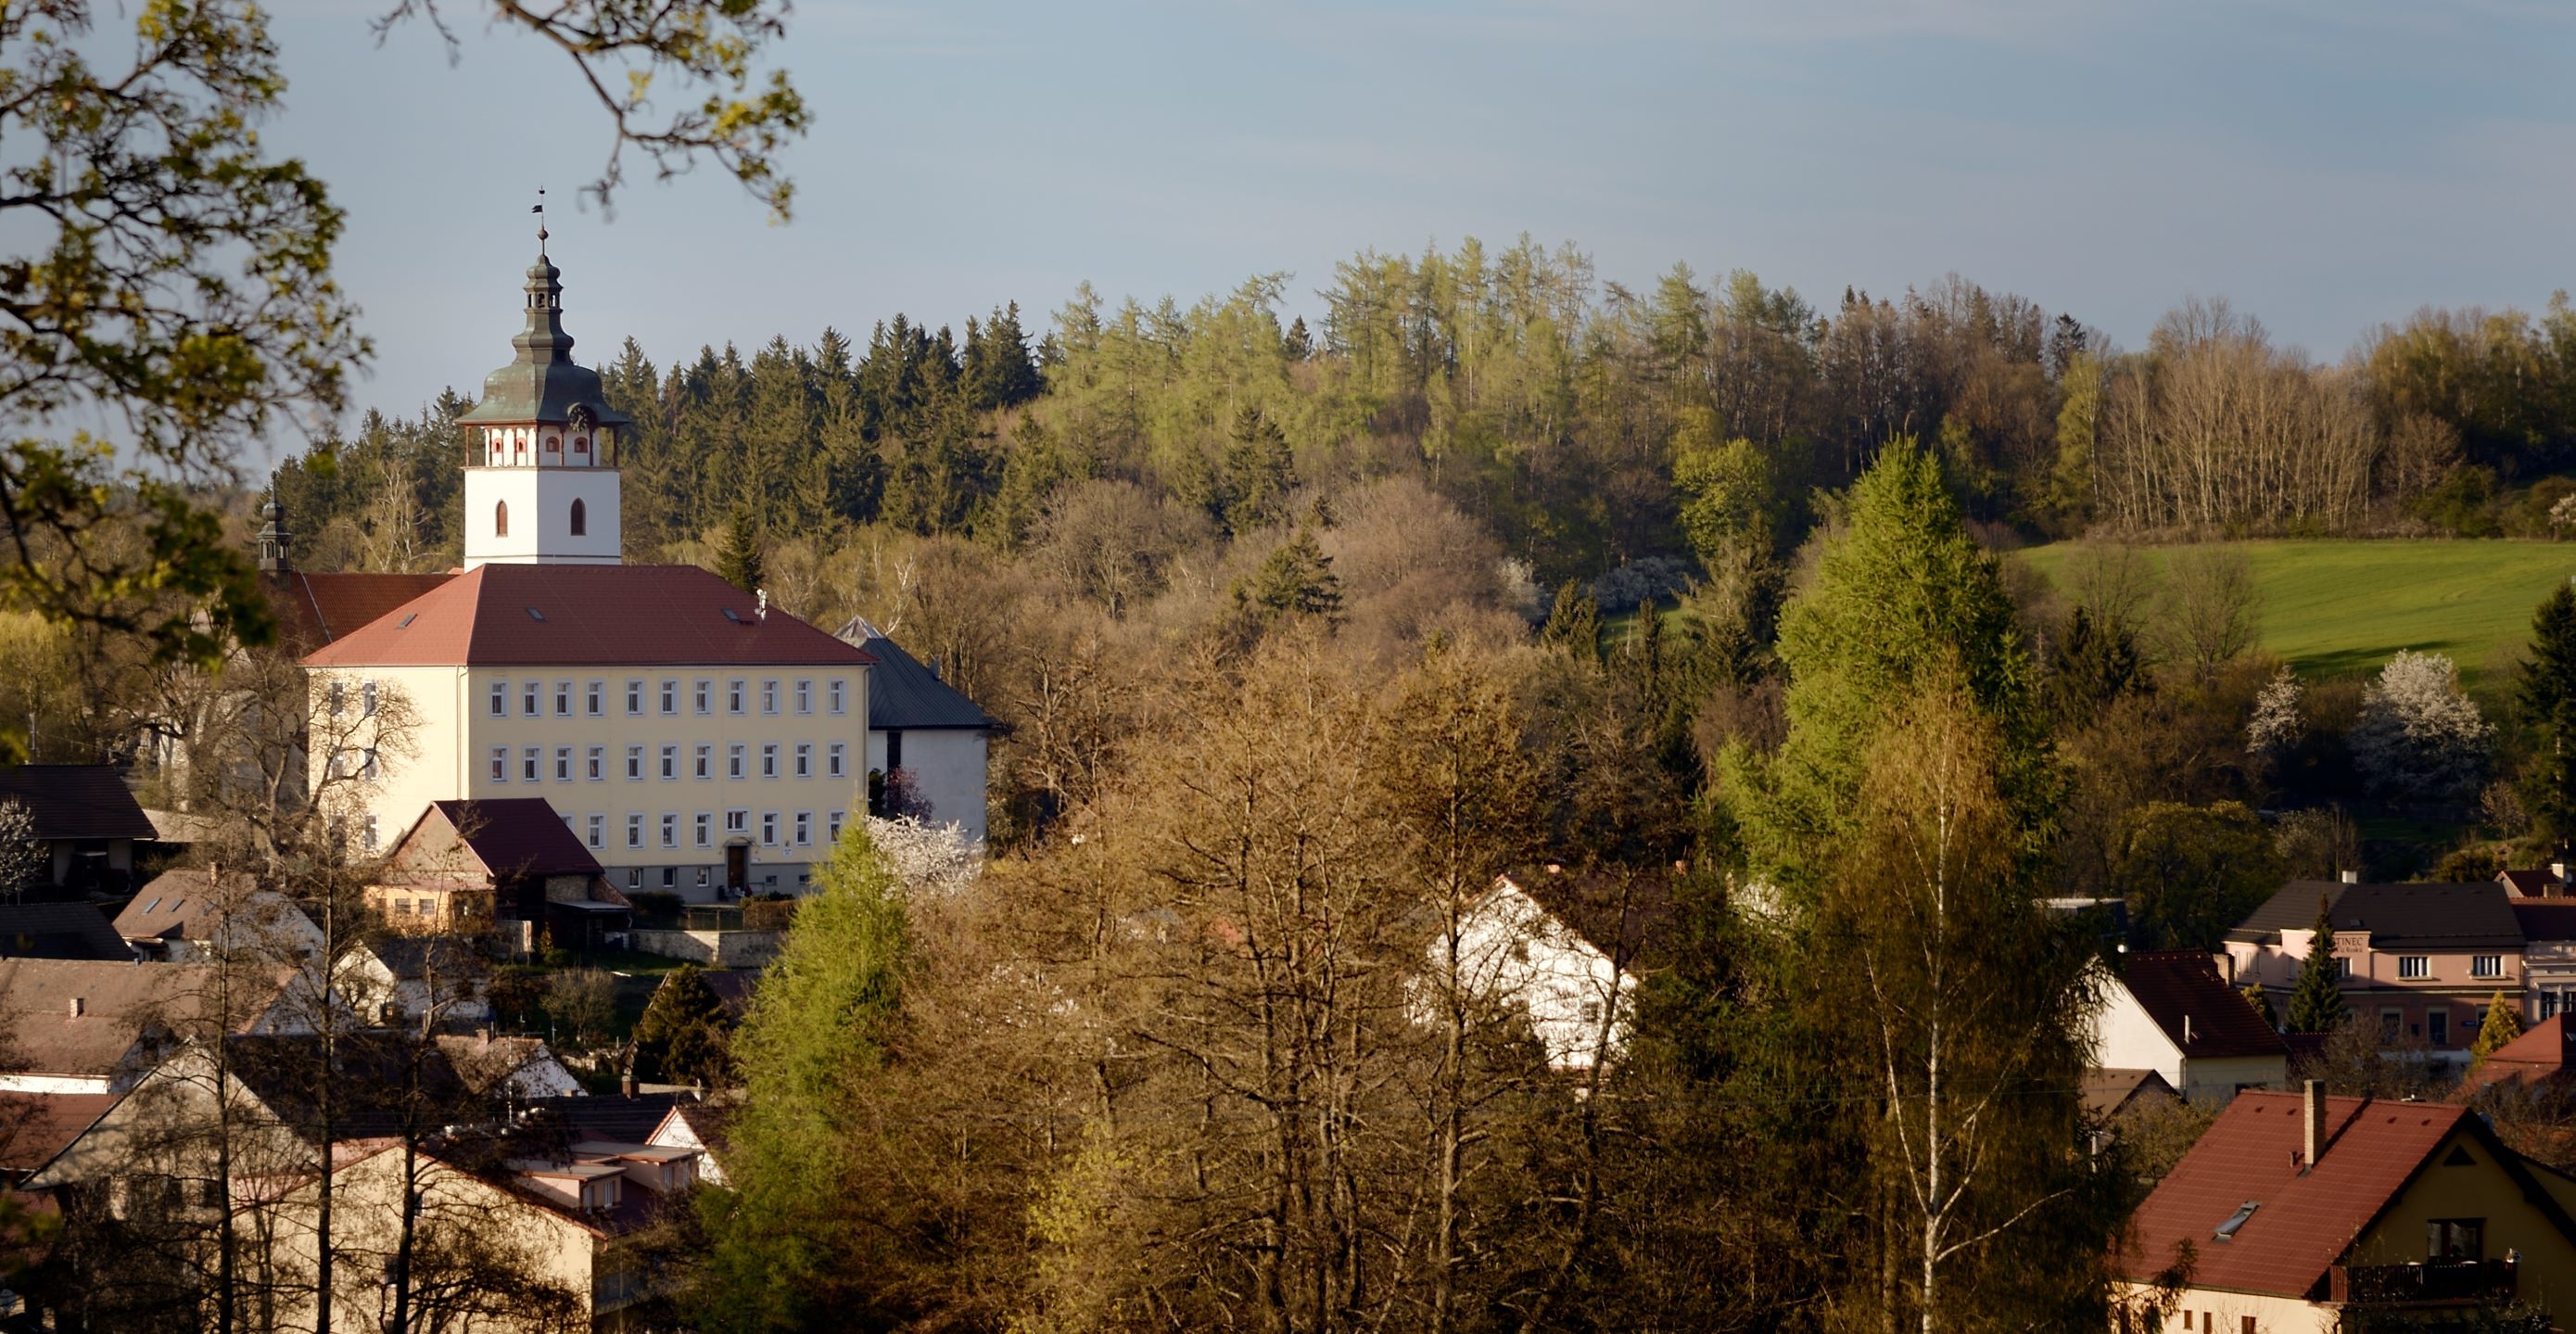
(2126, 1037)
(1513, 951)
(540, 501)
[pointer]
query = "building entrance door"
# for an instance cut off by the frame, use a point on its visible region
(737, 866)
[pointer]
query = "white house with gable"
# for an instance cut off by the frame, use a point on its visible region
(1564, 949)
(2172, 1014)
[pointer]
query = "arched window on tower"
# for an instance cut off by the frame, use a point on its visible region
(580, 519)
(500, 518)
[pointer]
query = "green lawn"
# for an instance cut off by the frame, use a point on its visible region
(2341, 608)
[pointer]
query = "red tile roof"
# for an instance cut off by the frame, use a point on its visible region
(2305, 1222)
(314, 609)
(2542, 1053)
(585, 615)
(2182, 992)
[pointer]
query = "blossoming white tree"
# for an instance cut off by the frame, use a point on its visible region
(930, 858)
(22, 855)
(2419, 735)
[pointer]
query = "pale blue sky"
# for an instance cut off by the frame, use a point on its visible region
(2325, 163)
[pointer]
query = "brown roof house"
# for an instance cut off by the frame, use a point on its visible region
(1563, 949)
(91, 1026)
(505, 864)
(2169, 1012)
(2420, 959)
(194, 914)
(86, 818)
(2303, 1212)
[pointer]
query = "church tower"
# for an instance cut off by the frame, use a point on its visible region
(543, 487)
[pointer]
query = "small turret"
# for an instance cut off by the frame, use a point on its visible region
(273, 539)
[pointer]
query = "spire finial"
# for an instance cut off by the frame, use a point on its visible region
(540, 211)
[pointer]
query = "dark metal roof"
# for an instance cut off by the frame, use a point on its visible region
(517, 836)
(903, 695)
(542, 384)
(2428, 916)
(2199, 1013)
(59, 931)
(76, 801)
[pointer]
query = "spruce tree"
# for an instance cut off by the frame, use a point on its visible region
(2502, 1024)
(2092, 663)
(681, 1038)
(740, 563)
(2316, 1002)
(1259, 474)
(1574, 624)
(1296, 580)
(2547, 699)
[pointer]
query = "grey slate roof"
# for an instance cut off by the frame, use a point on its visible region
(2425, 916)
(59, 931)
(76, 801)
(903, 695)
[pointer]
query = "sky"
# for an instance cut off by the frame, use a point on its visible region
(2325, 164)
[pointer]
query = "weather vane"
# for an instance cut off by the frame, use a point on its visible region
(540, 211)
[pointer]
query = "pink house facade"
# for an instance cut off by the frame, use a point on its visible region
(2422, 960)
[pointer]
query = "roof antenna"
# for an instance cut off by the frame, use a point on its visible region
(540, 211)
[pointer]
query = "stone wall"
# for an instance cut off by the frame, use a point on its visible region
(713, 949)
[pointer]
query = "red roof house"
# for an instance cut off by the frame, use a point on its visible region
(2293, 1208)
(575, 615)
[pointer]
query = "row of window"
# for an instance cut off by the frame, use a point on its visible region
(667, 763)
(532, 696)
(2419, 967)
(778, 829)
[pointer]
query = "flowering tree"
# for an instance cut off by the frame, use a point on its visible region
(2419, 735)
(22, 854)
(930, 859)
(2276, 725)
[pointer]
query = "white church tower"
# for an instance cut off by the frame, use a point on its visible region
(543, 487)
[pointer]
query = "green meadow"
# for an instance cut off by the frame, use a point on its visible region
(2341, 608)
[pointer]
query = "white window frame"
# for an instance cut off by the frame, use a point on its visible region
(635, 697)
(837, 695)
(366, 699)
(706, 761)
(598, 830)
(501, 699)
(338, 694)
(836, 760)
(532, 761)
(705, 828)
(737, 821)
(670, 763)
(598, 764)
(769, 829)
(500, 764)
(734, 760)
(670, 829)
(634, 764)
(804, 694)
(804, 829)
(769, 759)
(2414, 967)
(704, 689)
(769, 697)
(595, 697)
(563, 699)
(804, 759)
(563, 764)
(832, 825)
(2486, 965)
(635, 829)
(532, 699)
(670, 697)
(733, 696)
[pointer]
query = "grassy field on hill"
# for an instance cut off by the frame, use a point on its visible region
(2341, 608)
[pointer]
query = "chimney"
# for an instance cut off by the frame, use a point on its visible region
(2187, 1038)
(626, 1084)
(2350, 877)
(2313, 1113)
(78, 1007)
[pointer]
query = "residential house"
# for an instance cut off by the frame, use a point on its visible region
(2170, 1012)
(440, 981)
(925, 729)
(695, 739)
(516, 1069)
(2299, 1211)
(534, 1244)
(506, 864)
(2548, 955)
(1563, 949)
(86, 818)
(195, 914)
(2111, 1092)
(96, 1026)
(59, 931)
(2542, 1058)
(700, 1126)
(2420, 959)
